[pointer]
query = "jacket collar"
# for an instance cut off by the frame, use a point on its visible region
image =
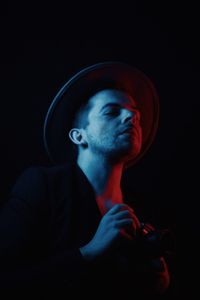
(82, 204)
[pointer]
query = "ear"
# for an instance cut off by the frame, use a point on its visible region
(76, 136)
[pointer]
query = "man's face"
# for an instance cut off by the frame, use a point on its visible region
(113, 128)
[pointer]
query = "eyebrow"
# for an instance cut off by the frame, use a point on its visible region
(116, 105)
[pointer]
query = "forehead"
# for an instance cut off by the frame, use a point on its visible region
(106, 96)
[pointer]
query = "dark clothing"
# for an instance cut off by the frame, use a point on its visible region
(50, 214)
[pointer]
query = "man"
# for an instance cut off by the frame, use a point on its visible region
(69, 226)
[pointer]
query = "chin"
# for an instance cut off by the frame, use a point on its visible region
(127, 154)
(133, 152)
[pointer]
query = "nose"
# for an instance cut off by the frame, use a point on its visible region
(129, 117)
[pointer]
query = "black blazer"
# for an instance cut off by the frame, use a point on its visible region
(51, 212)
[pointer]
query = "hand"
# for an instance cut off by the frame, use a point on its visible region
(146, 228)
(118, 223)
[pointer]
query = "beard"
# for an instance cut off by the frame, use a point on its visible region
(115, 150)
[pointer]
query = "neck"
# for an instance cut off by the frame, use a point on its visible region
(104, 177)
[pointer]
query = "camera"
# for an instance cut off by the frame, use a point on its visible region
(155, 243)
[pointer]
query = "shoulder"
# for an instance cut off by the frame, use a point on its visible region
(37, 180)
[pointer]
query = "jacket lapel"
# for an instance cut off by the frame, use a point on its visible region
(82, 215)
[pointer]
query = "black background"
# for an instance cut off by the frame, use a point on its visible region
(43, 46)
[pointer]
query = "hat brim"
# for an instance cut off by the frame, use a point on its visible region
(61, 112)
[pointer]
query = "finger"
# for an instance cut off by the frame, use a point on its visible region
(124, 223)
(146, 228)
(127, 214)
(122, 214)
(127, 225)
(118, 207)
(136, 220)
(121, 211)
(130, 208)
(149, 227)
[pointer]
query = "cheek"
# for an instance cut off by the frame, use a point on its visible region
(96, 130)
(101, 128)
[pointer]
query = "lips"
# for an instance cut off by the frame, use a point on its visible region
(129, 130)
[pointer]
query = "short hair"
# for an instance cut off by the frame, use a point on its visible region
(80, 118)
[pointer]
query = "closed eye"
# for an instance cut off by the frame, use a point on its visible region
(112, 112)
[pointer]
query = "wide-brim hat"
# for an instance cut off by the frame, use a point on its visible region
(80, 87)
